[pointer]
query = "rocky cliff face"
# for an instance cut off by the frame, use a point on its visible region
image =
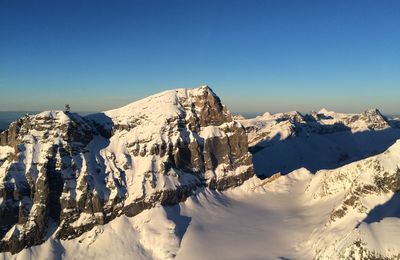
(71, 173)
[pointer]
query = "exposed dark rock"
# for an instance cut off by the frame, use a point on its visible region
(79, 172)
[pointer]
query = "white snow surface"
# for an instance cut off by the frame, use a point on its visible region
(281, 126)
(239, 224)
(283, 217)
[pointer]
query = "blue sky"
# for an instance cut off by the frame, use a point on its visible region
(271, 55)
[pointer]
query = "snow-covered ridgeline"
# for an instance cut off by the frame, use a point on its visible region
(80, 172)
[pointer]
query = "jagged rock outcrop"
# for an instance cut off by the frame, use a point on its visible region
(58, 168)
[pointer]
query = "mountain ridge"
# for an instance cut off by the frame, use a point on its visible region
(85, 171)
(171, 176)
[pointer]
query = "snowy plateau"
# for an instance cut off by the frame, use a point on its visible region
(177, 176)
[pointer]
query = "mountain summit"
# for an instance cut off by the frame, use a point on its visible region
(60, 169)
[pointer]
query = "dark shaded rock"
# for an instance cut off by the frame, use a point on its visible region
(77, 172)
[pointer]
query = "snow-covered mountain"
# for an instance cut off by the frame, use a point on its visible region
(282, 126)
(171, 177)
(319, 140)
(365, 217)
(351, 212)
(78, 172)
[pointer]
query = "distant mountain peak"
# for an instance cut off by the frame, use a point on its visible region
(373, 111)
(325, 111)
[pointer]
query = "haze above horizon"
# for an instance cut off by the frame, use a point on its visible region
(256, 55)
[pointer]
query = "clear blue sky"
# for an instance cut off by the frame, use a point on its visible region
(271, 55)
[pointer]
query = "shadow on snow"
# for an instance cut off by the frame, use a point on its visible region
(320, 151)
(390, 209)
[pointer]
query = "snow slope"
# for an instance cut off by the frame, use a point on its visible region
(316, 151)
(244, 223)
(332, 192)
(80, 172)
(291, 216)
(284, 142)
(267, 129)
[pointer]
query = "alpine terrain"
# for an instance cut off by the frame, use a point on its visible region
(176, 176)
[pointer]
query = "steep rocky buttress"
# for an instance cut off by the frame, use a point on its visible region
(60, 171)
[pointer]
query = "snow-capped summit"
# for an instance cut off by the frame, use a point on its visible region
(369, 119)
(325, 111)
(85, 171)
(291, 115)
(266, 115)
(374, 119)
(179, 103)
(147, 177)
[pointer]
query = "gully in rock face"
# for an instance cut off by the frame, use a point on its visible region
(79, 172)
